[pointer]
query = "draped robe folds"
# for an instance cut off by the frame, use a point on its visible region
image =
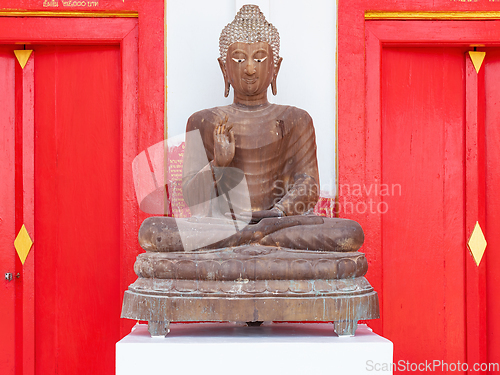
(274, 165)
(275, 150)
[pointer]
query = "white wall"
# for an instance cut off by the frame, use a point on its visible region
(307, 78)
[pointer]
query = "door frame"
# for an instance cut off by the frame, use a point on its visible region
(430, 33)
(141, 124)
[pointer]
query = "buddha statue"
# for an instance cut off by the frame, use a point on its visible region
(253, 250)
(272, 147)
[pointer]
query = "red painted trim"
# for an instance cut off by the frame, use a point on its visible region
(18, 77)
(7, 211)
(492, 255)
(454, 232)
(65, 30)
(475, 203)
(28, 273)
(25, 291)
(453, 33)
(130, 129)
(151, 97)
(373, 170)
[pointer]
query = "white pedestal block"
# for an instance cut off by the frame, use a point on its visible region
(231, 348)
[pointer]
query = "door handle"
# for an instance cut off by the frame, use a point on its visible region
(9, 276)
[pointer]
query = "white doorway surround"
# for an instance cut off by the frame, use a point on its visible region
(307, 79)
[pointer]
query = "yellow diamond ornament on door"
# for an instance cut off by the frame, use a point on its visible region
(477, 244)
(23, 244)
(477, 59)
(23, 56)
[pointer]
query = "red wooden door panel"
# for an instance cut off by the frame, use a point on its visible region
(432, 131)
(81, 136)
(69, 127)
(7, 210)
(77, 206)
(423, 237)
(492, 255)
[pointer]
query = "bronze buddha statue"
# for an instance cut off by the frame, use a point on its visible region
(272, 146)
(250, 178)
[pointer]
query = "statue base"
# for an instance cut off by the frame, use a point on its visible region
(232, 348)
(251, 284)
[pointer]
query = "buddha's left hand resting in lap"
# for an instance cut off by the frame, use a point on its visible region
(258, 183)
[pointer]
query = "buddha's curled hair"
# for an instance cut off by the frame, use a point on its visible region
(249, 26)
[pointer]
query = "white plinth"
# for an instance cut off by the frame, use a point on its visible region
(273, 348)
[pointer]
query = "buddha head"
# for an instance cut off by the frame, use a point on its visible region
(249, 53)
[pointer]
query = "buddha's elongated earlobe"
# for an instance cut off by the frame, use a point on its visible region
(227, 85)
(274, 86)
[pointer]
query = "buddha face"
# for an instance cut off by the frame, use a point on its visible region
(250, 68)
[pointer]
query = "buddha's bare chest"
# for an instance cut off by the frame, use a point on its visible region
(257, 136)
(260, 138)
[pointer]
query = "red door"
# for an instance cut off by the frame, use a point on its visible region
(423, 239)
(77, 201)
(432, 135)
(68, 122)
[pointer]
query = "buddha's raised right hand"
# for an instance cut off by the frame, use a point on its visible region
(224, 146)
